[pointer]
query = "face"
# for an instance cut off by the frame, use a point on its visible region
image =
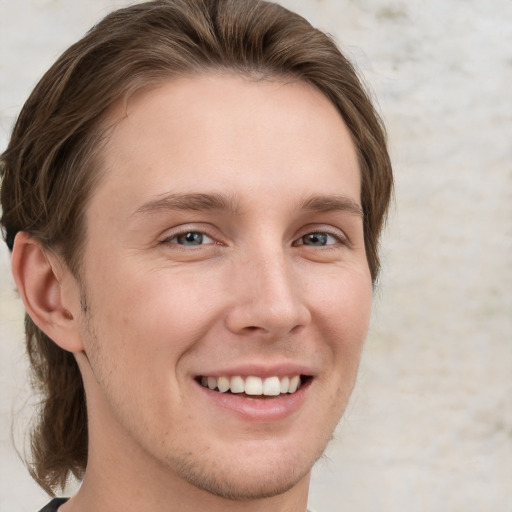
(226, 281)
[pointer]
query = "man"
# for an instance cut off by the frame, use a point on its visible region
(193, 196)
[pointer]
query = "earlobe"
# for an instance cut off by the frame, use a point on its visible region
(39, 278)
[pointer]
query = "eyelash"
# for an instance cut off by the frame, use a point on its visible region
(202, 233)
(339, 239)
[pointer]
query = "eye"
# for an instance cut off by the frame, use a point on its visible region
(318, 239)
(190, 239)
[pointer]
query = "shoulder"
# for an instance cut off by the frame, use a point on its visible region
(54, 505)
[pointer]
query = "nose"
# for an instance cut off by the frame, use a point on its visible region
(268, 298)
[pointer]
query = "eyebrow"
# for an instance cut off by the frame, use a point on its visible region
(191, 202)
(329, 203)
(224, 202)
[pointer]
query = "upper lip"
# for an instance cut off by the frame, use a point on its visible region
(260, 370)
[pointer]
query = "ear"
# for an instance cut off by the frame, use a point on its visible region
(49, 291)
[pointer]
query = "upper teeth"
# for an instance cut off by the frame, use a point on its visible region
(271, 386)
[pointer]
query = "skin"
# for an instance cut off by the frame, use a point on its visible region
(152, 313)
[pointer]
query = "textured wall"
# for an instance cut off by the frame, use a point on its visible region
(430, 424)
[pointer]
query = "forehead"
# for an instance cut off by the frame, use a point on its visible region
(225, 133)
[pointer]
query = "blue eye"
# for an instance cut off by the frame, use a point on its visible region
(318, 239)
(190, 239)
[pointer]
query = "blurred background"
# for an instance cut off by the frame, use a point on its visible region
(429, 426)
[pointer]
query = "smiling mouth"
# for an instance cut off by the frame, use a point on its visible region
(255, 386)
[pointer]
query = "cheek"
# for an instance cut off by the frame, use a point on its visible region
(161, 312)
(342, 317)
(343, 314)
(344, 304)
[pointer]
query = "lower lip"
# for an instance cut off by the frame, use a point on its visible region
(259, 410)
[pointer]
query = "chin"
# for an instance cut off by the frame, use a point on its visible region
(268, 474)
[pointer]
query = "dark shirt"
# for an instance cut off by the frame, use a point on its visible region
(54, 505)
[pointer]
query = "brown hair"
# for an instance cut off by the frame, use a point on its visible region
(48, 168)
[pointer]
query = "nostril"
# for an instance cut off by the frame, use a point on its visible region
(265, 316)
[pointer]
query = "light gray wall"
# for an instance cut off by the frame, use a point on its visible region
(430, 424)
